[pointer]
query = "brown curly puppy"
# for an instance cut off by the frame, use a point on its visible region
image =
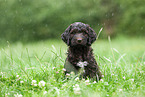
(79, 37)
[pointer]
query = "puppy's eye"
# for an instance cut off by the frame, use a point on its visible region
(72, 34)
(85, 34)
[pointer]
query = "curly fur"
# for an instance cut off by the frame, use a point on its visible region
(79, 37)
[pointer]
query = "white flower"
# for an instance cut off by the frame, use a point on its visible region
(41, 83)
(64, 69)
(18, 95)
(77, 78)
(1, 72)
(45, 92)
(53, 68)
(141, 71)
(124, 77)
(57, 71)
(34, 83)
(21, 81)
(17, 76)
(87, 82)
(76, 89)
(94, 82)
(82, 64)
(132, 80)
(85, 63)
(120, 90)
(72, 73)
(102, 75)
(101, 80)
(6, 94)
(26, 68)
(67, 74)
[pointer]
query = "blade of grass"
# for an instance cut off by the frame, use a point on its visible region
(29, 60)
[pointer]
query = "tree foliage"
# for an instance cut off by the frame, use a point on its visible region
(28, 20)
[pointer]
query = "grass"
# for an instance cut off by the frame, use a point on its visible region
(36, 70)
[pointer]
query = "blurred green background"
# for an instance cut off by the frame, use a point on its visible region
(33, 20)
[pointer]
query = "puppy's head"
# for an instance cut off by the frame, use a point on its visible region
(79, 34)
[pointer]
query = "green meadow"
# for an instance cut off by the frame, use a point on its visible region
(36, 70)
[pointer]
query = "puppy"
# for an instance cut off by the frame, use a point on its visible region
(80, 60)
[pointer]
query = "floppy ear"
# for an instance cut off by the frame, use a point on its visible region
(66, 35)
(92, 36)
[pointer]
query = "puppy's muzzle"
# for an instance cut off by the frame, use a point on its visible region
(79, 39)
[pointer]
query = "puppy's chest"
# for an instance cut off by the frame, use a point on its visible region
(82, 66)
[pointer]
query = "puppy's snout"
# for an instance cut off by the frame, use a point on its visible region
(79, 40)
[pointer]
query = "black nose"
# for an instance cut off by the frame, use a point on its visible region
(79, 40)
